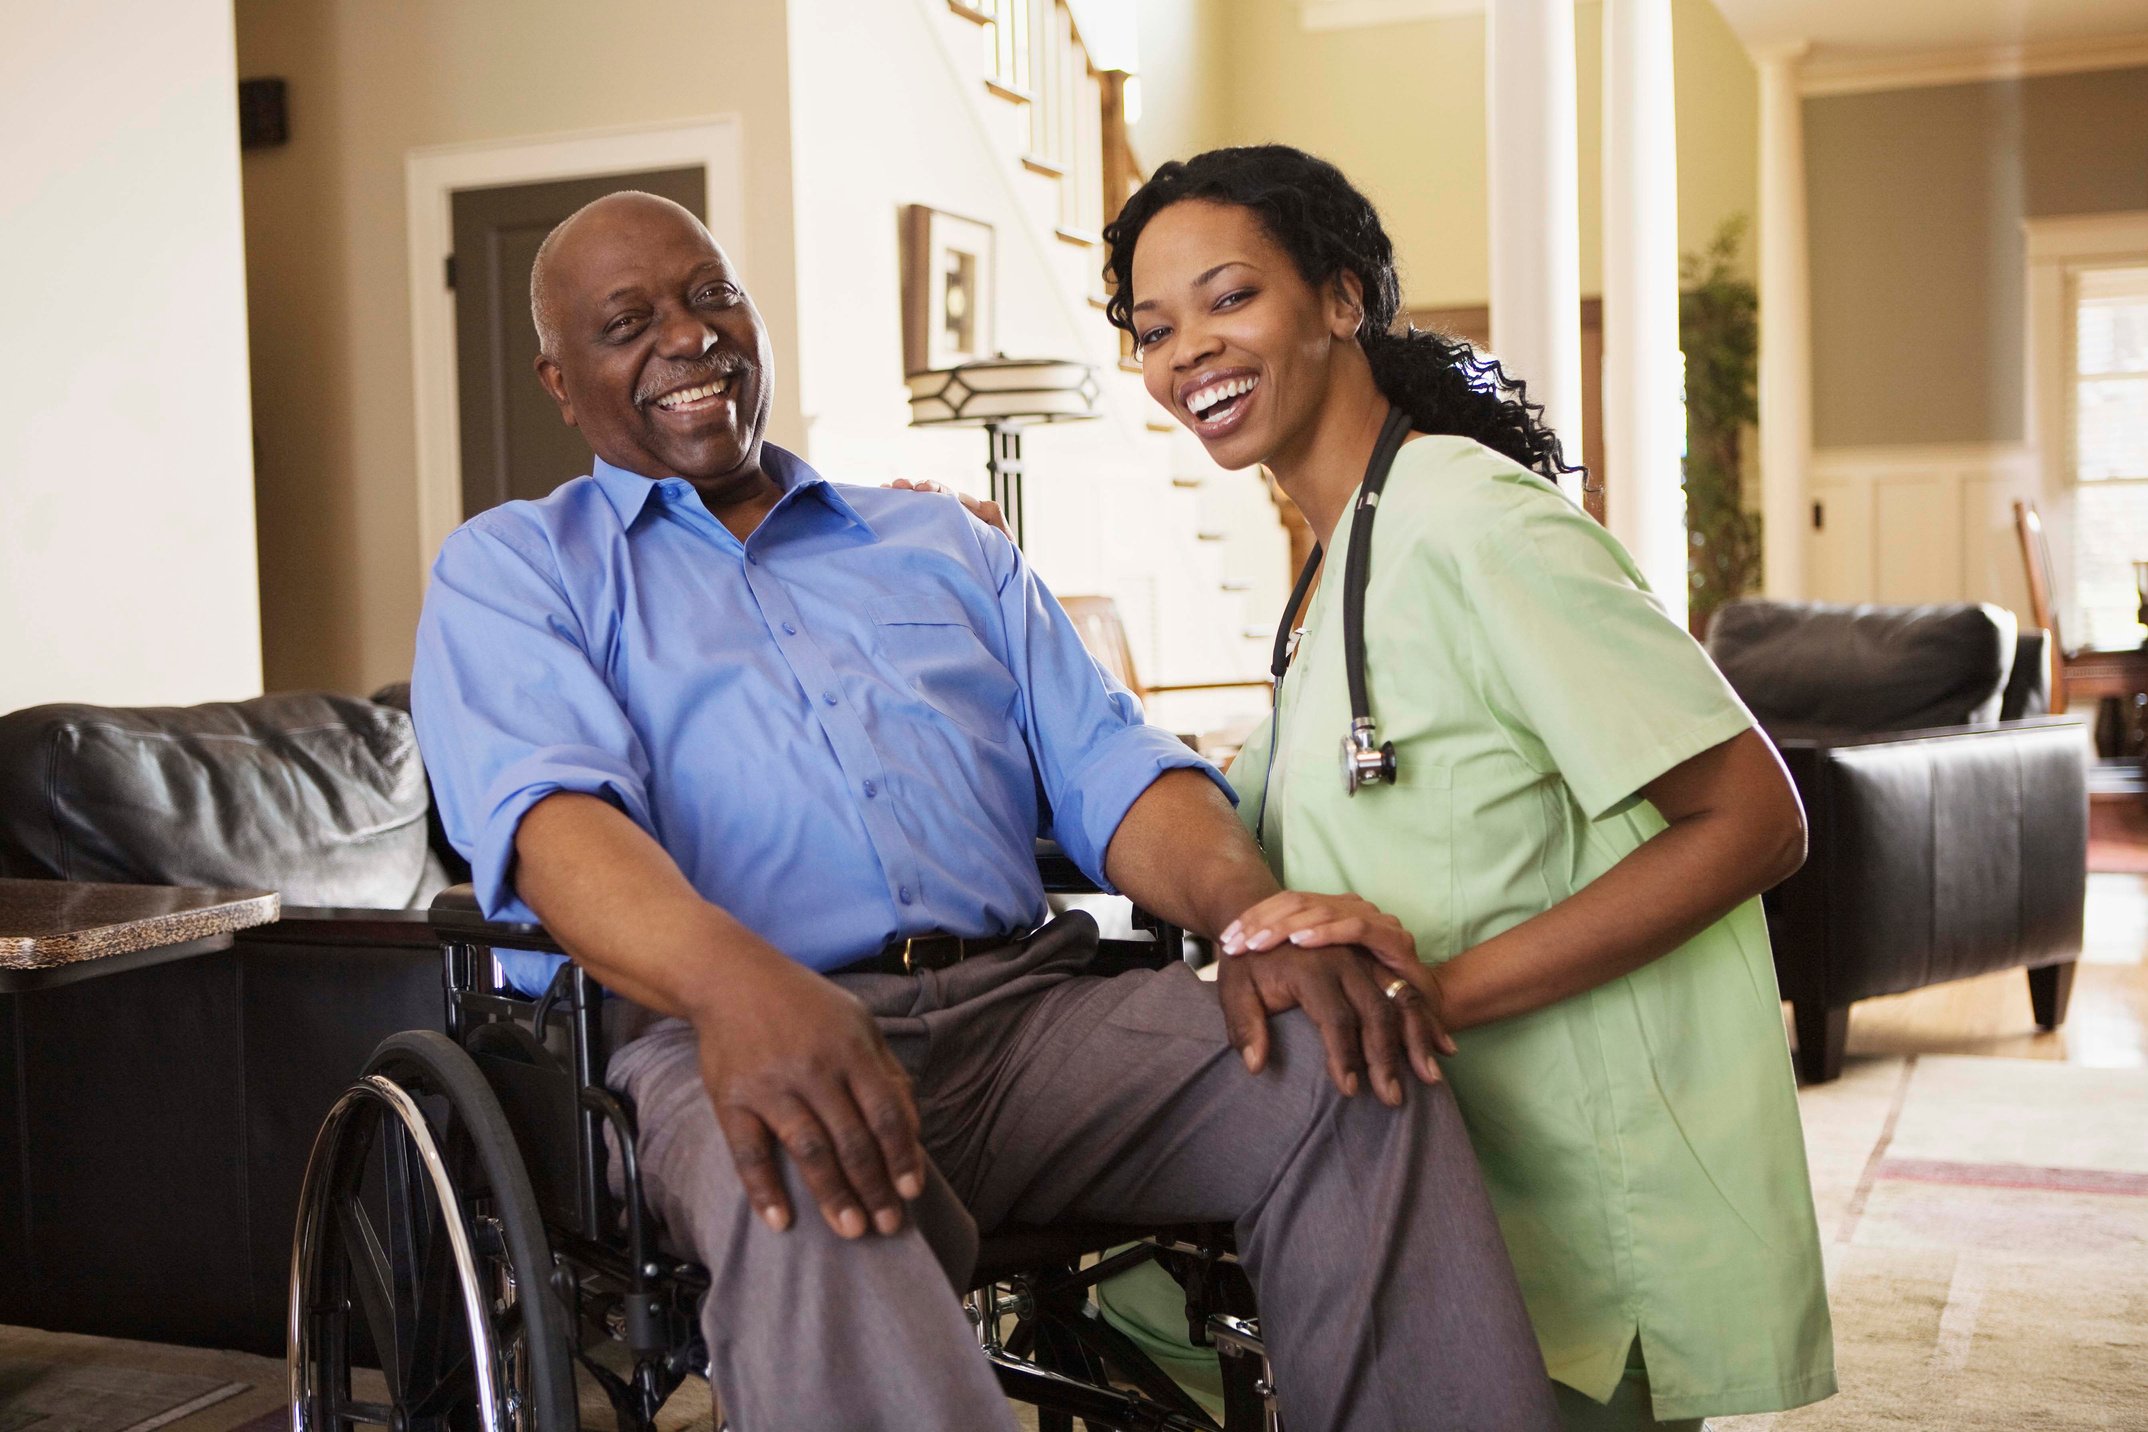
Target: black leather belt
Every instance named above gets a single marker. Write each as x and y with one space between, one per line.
928 952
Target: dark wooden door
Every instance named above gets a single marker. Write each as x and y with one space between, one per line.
513 442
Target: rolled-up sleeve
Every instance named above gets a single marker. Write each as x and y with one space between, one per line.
1094 753
510 708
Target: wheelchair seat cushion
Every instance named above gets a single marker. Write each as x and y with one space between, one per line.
319 797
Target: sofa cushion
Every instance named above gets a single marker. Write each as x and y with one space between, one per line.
321 798
1814 670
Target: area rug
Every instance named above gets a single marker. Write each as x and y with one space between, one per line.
1987 1252
41 1394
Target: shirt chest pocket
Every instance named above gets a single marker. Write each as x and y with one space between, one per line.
928 640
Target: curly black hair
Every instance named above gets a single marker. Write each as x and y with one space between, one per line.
1327 226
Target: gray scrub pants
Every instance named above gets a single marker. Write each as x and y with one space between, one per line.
1385 1292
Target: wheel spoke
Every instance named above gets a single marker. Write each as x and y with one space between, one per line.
409 1230
368 1268
455 1386
429 1304
371 1412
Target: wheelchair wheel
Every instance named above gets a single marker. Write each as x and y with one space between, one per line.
419 1242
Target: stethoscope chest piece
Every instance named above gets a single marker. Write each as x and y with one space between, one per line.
1363 762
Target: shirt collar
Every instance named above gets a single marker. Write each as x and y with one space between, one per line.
629 492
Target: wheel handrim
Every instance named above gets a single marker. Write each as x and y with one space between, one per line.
397 1279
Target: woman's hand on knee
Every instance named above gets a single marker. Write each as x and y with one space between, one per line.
1313 921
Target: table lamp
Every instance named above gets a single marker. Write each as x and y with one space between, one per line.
1003 395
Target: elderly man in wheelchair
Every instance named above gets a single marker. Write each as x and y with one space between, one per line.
767 758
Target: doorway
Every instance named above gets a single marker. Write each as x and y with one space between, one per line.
513 443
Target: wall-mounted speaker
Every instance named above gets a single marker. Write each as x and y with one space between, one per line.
264 122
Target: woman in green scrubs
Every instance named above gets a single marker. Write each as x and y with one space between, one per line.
1567 867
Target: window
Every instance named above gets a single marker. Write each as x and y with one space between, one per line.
2108 396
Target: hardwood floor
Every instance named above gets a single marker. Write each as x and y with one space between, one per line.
2106 1025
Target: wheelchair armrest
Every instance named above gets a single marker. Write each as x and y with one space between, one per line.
455 916
1060 874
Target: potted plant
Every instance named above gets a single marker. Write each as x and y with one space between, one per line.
1718 329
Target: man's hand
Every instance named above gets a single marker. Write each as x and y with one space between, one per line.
791 1060
1337 956
1342 990
788 1058
983 510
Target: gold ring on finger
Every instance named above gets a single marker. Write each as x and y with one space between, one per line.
1395 987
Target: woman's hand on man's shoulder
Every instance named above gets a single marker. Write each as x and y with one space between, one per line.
983 509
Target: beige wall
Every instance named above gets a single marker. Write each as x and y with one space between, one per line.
1916 199
1182 80
341 570
126 501
1400 107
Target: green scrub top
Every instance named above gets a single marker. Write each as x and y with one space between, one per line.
1641 1140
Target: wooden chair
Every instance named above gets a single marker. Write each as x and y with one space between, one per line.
2081 674
1104 634
2036 558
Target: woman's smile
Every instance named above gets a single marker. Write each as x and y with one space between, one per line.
1218 403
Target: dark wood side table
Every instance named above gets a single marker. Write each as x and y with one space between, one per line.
163 1070
2120 674
121 1143
55 932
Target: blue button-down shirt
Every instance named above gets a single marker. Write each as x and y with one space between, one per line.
846 729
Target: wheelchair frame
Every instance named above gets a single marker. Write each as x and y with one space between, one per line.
497 1175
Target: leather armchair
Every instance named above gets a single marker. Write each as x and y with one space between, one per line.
1948 816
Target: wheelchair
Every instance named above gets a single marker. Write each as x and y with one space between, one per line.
459 1231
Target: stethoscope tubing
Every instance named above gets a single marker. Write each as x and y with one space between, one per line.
1357 575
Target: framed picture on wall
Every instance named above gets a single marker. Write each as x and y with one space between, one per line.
947 307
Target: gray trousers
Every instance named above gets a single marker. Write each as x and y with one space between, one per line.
1386 1297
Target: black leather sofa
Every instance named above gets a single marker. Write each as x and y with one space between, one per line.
1948 814
155 1123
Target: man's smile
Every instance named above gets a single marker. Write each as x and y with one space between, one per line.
696 399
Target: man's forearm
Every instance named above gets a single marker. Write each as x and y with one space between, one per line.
609 893
1181 854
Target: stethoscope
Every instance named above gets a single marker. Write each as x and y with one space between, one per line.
1366 759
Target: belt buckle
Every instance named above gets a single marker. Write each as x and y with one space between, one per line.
907 946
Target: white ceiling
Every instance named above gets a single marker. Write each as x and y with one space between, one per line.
1876 27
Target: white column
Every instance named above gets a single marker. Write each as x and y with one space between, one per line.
1785 327
1644 404
1536 208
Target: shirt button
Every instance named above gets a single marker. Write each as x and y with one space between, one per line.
871 790
904 894
828 696
789 630
752 561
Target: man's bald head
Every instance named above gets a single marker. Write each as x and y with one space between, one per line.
600 214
